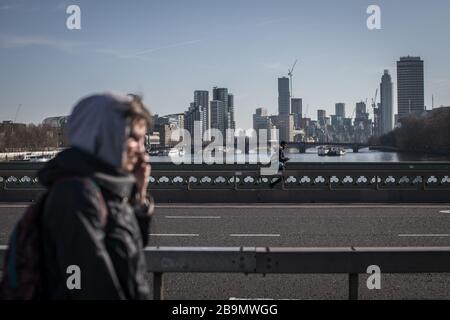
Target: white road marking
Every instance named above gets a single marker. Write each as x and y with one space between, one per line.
424 235
288 206
193 217
272 206
445 211
254 235
174 234
14 205
234 298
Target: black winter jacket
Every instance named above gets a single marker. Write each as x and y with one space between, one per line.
106 245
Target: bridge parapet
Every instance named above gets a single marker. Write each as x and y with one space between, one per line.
297 178
296 175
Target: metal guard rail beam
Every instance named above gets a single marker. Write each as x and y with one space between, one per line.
264 260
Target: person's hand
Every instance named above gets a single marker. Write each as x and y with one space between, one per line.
142 173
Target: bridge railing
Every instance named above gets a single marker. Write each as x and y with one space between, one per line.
323 176
264 260
300 183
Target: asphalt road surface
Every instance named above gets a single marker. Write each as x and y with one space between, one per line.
292 226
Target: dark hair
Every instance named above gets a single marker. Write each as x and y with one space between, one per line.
283 143
138 111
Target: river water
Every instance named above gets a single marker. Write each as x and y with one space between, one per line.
364 155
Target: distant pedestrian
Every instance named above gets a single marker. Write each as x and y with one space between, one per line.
282 159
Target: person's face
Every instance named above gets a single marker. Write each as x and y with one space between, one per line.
135 145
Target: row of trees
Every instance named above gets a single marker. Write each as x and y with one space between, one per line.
428 132
21 137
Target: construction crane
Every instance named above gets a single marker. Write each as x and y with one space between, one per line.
291 74
375 113
17 112
374 102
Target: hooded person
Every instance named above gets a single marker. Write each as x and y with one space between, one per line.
97 214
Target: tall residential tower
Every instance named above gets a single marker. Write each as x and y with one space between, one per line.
284 96
386 105
410 86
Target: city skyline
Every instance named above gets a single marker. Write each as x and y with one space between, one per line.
166 54
212 113
200 98
379 116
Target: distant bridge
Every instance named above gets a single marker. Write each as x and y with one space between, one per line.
302 146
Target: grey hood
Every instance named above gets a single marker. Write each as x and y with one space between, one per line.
98 126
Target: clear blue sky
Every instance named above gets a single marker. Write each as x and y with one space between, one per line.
167 49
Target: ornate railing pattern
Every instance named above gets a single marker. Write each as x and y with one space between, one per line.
321 176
